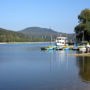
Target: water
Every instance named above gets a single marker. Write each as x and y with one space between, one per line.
26 67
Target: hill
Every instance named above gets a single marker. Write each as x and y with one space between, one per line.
37 32
44 33
31 34
11 36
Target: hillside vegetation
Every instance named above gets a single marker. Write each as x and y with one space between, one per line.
31 34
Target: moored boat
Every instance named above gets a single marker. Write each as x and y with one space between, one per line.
60 42
88 49
75 48
48 48
59 47
82 49
67 48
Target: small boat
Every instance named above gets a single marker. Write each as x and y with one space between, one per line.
59 48
66 48
88 49
48 48
43 48
75 48
82 49
88 45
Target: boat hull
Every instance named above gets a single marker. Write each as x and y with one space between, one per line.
83 49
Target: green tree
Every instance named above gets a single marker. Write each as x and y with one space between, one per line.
83 28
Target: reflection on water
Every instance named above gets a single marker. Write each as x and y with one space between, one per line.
84 68
58 58
61 57
26 66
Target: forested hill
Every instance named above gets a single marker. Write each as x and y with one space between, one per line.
44 33
37 32
11 36
31 34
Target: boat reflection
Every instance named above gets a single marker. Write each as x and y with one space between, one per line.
58 59
61 56
84 68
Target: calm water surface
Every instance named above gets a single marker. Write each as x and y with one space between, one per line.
26 67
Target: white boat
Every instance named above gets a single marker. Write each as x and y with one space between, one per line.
59 47
61 42
82 49
85 48
88 46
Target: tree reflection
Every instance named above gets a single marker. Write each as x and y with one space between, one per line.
84 68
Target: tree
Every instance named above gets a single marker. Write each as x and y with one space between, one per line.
83 28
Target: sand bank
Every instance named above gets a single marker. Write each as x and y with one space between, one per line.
82 54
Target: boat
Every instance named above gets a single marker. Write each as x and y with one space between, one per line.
85 48
88 50
75 47
88 47
48 48
43 48
60 42
67 48
59 47
82 49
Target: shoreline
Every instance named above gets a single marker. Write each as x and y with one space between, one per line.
22 42
82 54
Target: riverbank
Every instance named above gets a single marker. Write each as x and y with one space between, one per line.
81 54
21 42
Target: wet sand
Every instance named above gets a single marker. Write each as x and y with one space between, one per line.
81 54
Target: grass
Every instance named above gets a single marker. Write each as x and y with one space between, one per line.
21 42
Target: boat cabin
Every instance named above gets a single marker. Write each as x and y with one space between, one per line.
61 41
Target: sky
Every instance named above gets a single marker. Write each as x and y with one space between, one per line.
59 15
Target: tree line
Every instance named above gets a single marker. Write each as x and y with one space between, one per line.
11 36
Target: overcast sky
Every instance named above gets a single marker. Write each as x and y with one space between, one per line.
60 15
